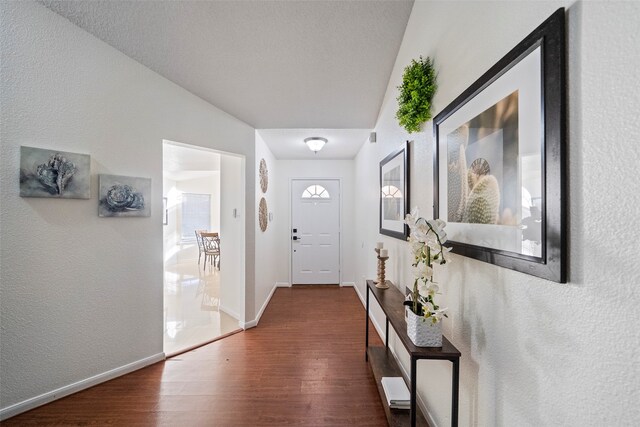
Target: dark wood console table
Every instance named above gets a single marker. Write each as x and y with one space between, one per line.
383 362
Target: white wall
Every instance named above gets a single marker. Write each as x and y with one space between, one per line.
82 295
534 352
232 237
289 169
268 259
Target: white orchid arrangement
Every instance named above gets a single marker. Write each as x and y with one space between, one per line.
426 239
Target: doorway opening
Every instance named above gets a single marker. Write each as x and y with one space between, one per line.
315 232
203 193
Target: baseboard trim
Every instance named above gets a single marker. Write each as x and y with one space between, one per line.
373 319
406 375
348 284
61 392
253 323
231 313
196 346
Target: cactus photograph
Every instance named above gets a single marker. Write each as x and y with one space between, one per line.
493 177
499 168
483 173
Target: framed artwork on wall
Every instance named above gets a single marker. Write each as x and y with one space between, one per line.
499 174
394 193
124 196
56 174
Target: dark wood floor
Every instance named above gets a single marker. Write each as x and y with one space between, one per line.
303 365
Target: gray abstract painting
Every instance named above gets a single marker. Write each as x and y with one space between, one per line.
123 196
51 173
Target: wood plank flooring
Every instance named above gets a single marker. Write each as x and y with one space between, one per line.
302 366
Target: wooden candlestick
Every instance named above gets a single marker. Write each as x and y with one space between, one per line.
381 283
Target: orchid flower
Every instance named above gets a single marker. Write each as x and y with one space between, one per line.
426 241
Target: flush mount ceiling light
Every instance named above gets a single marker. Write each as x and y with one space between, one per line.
315 143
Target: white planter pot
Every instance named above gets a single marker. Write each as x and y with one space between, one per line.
423 333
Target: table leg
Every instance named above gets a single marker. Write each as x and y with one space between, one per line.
455 384
414 407
386 333
366 344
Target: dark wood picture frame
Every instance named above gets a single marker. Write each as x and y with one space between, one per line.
399 230
552 264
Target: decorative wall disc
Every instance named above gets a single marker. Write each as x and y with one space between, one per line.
264 176
263 214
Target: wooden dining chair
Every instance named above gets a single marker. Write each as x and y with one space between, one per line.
200 246
211 245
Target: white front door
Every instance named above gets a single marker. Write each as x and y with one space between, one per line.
315 231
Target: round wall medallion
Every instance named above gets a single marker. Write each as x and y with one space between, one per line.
262 214
264 176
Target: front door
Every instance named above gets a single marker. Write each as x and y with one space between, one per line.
315 232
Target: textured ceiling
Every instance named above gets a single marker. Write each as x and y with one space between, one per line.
272 64
289 143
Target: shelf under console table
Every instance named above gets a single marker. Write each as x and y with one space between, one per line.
383 362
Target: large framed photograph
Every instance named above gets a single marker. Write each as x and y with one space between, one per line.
394 193
499 174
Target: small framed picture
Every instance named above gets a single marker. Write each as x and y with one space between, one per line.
124 196
394 193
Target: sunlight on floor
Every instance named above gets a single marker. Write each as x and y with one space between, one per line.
191 307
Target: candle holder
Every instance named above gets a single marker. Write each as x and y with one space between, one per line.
381 283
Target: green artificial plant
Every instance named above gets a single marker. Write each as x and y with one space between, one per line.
416 92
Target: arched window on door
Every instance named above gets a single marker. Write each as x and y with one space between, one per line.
315 192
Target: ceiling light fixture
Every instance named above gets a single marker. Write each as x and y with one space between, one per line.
315 143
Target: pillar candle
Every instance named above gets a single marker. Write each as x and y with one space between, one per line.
384 252
379 245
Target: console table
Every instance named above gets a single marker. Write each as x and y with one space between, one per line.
383 362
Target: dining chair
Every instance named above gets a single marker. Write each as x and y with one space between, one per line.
200 246
211 245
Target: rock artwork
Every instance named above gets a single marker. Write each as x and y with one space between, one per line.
123 196
58 174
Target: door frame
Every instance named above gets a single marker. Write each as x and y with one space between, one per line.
340 207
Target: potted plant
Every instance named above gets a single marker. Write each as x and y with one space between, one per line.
424 316
416 92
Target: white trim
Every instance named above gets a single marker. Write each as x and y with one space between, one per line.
229 312
61 392
283 285
253 323
348 284
248 325
406 375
